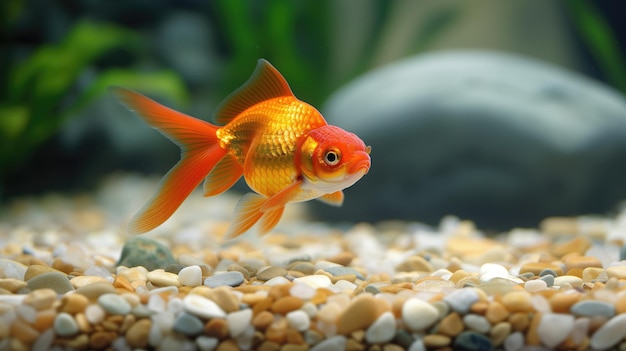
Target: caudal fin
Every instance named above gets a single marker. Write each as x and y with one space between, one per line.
200 152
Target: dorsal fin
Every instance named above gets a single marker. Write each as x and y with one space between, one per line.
264 84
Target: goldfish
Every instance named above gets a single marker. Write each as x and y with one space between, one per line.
283 147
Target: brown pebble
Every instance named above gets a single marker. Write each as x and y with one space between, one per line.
101 339
578 245
269 346
393 347
286 304
580 262
262 305
225 298
271 272
79 342
517 301
294 337
499 332
37 269
344 258
496 312
519 321
278 291
360 314
40 299
137 334
561 302
536 268
458 274
12 285
414 264
62 266
436 340
228 345
23 332
74 303
451 325
44 319
532 337
262 320
217 328
277 331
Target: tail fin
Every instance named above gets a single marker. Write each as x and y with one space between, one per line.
200 152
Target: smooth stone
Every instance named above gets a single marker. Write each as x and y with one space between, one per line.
146 252
232 278
571 280
334 343
618 272
174 268
315 281
517 301
188 324
462 299
609 334
341 270
579 244
360 314
114 304
372 290
190 276
298 320
95 290
554 328
622 253
382 330
507 102
536 285
11 284
418 314
548 278
65 325
40 299
271 272
137 335
514 342
94 314
302 291
286 304
476 323
592 308
202 307
472 341
224 297
12 269
206 343
161 278
84 280
303 267
547 271
54 280
238 321
37 269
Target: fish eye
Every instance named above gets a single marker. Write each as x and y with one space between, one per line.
332 157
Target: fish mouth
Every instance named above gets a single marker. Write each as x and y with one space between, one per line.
360 164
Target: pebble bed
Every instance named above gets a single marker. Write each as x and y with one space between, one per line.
66 282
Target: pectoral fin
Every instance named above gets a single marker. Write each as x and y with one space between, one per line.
333 199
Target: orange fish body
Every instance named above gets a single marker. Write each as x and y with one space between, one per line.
282 146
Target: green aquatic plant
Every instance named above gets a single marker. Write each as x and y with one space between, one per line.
43 91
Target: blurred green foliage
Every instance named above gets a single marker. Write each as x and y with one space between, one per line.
41 91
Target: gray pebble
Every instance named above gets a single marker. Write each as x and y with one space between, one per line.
174 268
472 341
65 325
188 324
461 300
146 252
223 265
341 270
54 280
593 308
548 271
622 253
403 338
548 278
302 266
271 272
114 304
372 289
232 278
337 342
526 276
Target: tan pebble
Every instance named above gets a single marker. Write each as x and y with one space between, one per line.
23 332
458 274
228 345
561 302
451 325
436 340
360 314
129 320
277 331
225 298
269 346
294 337
159 277
81 281
217 328
470 247
12 285
517 301
344 258
286 304
349 277
250 289
44 319
278 291
5 292
83 324
532 337
37 269
262 320
620 303
496 312
499 332
295 347
321 294
355 345
414 264
122 283
480 307
62 266
358 335
581 262
591 274
519 321
271 272
201 290
101 339
79 342
252 299
578 245
40 299
93 291
393 347
137 334
470 280
235 267
559 226
134 274
262 305
74 303
618 272
536 268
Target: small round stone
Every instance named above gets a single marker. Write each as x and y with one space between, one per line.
263 320
337 342
461 300
74 303
56 281
286 304
338 271
238 322
160 278
548 278
40 299
298 320
232 278
360 313
382 330
592 308
65 325
517 301
190 276
472 341
436 340
114 304
451 325
554 328
476 323
271 272
145 252
137 334
95 290
188 324
536 285
496 312
202 307
618 272
315 281
609 334
418 314
515 341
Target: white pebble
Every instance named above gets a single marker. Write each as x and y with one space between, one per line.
554 328
310 309
94 314
334 343
345 286
190 276
302 291
535 285
298 320
155 335
206 343
514 342
202 307
489 271
418 314
156 303
315 281
278 280
238 321
476 323
417 345
382 330
565 280
159 277
175 305
461 300
65 325
540 304
44 341
610 333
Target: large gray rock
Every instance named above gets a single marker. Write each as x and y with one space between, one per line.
499 139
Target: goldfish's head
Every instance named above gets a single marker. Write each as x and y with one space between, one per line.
332 159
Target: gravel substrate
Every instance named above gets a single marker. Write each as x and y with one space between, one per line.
69 279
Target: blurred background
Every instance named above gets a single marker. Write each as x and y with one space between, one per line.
543 133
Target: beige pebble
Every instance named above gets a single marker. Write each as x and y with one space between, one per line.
83 280
499 332
536 268
225 298
94 290
562 301
568 280
23 332
436 340
271 272
519 321
582 262
37 269
591 274
102 339
517 301
496 312
532 336
618 272
262 320
360 314
137 334
414 264
578 245
344 258
451 325
159 277
134 274
12 285
74 303
44 319
559 226
83 324
40 299
277 331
